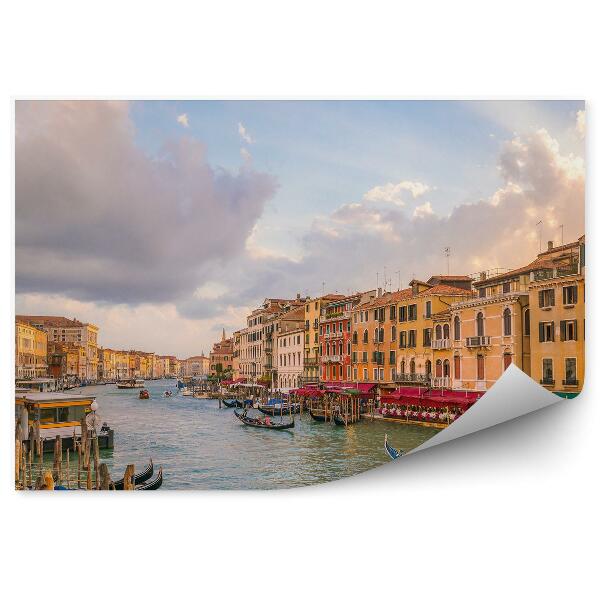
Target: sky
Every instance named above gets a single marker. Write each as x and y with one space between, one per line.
165 221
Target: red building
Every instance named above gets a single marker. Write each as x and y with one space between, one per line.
335 347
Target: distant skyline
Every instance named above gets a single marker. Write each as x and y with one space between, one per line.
165 221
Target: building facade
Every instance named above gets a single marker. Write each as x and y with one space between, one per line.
221 356
290 354
31 350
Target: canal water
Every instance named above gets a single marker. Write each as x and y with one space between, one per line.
200 446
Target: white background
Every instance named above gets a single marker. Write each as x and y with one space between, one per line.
506 513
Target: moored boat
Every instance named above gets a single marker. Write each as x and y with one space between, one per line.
232 403
274 410
264 424
186 392
391 451
317 415
130 384
154 484
138 478
338 419
144 395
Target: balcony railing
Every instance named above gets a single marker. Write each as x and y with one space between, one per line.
331 358
440 382
574 382
311 361
477 341
333 334
547 381
345 314
441 344
305 380
412 378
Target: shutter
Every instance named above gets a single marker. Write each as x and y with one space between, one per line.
575 330
575 296
552 329
563 331
541 332
551 299
541 298
564 290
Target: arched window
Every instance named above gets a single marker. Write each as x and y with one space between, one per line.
446 368
480 324
456 328
438 368
446 331
355 337
365 336
438 332
393 333
526 323
413 367
456 366
480 367
506 321
402 367
428 367
381 330
376 335
507 360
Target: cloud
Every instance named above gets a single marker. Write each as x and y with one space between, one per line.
580 123
396 193
246 156
423 210
98 219
183 120
244 134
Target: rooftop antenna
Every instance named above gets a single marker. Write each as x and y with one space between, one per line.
447 253
399 280
540 223
323 287
384 279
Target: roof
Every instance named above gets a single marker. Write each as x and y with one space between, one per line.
51 321
43 397
538 263
443 289
450 278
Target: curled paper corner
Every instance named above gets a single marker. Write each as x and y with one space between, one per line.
513 395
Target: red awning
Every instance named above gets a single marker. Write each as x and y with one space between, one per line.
435 400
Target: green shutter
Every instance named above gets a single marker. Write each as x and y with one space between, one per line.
575 330
541 332
552 324
563 331
541 298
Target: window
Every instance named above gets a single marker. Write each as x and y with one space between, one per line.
438 332
402 313
365 336
570 371
482 292
355 375
456 328
446 331
428 368
569 294
546 298
393 333
446 368
355 337
412 338
348 349
480 367
402 343
547 371
381 375
526 323
381 334
412 312
479 321
427 337
507 360
364 357
568 331
438 368
506 287
392 357
375 372
546 331
365 375
456 367
507 321
393 312
428 309
413 366
402 367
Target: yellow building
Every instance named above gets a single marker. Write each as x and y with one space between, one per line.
312 312
392 333
24 350
557 308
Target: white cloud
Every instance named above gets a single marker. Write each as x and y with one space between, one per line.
423 210
244 134
396 193
580 123
246 156
183 120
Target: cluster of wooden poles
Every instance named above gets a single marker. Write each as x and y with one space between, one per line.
32 474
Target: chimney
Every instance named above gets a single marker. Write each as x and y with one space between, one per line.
379 292
298 296
550 245
482 276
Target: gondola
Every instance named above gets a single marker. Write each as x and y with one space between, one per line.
246 420
275 411
339 420
232 403
154 484
392 452
138 477
320 418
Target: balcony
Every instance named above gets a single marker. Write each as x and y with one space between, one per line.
441 344
478 341
571 382
421 378
333 335
331 358
311 361
345 314
440 382
306 380
547 381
